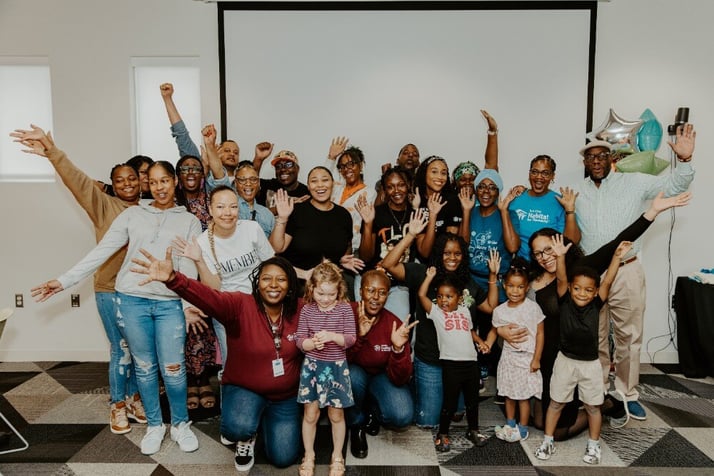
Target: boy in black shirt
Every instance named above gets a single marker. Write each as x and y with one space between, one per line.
580 296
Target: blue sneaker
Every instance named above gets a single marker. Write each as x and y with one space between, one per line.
484 373
636 410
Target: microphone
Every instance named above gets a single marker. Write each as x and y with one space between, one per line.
681 118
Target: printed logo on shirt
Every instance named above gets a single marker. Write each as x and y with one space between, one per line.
534 216
455 321
382 348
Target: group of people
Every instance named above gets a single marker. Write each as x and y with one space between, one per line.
382 303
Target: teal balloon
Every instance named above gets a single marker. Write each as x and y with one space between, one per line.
649 136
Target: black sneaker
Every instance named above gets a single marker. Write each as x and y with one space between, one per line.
244 455
499 400
372 426
476 438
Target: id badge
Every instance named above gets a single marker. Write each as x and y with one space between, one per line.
278 369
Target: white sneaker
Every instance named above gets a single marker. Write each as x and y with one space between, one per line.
225 441
545 450
244 455
151 442
511 434
592 454
184 436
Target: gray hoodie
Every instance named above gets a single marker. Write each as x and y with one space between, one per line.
142 226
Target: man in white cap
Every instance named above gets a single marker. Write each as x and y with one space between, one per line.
608 202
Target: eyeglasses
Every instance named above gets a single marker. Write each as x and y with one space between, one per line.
482 187
544 252
543 173
187 169
602 156
349 163
376 292
287 164
247 180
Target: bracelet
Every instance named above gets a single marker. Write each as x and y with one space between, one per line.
684 159
570 212
492 133
278 222
398 351
493 282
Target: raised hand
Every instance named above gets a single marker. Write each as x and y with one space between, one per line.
155 269
417 221
284 204
263 150
684 145
34 138
352 263
434 204
364 323
337 146
415 199
559 249
167 90
492 125
623 248
506 200
467 197
400 335
431 272
209 135
365 208
494 260
567 198
46 290
661 203
190 250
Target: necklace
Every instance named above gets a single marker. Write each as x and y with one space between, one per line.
275 328
400 223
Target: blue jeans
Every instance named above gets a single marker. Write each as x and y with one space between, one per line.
392 405
156 333
220 331
122 380
280 421
429 394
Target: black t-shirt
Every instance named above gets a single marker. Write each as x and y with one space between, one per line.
579 328
426 345
317 234
268 187
389 227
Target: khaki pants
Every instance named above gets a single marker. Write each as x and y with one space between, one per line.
625 306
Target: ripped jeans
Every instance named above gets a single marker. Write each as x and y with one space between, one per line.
156 333
122 381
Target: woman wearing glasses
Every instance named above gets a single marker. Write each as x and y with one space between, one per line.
350 164
540 207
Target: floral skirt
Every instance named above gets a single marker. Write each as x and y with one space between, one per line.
325 382
200 350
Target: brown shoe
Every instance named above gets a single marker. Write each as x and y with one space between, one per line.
135 409
118 422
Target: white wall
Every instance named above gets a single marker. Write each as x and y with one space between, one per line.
90 44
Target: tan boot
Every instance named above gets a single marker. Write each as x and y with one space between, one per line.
135 409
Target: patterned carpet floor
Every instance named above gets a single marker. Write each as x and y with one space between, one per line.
61 408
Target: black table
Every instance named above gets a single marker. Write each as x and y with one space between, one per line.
694 305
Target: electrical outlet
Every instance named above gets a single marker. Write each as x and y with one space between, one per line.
19 300
75 300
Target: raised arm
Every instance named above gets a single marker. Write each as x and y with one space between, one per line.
561 274
494 265
468 202
368 237
424 289
622 249
491 156
185 144
392 262
209 145
567 200
425 241
337 147
510 236
279 239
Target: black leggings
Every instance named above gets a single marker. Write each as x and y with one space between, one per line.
457 377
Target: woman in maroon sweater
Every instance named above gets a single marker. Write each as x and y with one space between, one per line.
380 365
262 371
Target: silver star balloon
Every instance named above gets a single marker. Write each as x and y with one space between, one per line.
619 132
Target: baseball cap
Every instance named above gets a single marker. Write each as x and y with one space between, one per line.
284 155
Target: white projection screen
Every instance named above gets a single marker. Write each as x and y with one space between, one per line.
299 74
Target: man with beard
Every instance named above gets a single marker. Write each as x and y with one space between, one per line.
609 201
